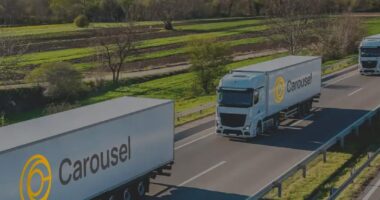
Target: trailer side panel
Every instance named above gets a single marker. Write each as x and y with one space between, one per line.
292 85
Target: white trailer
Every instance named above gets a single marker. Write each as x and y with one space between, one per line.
108 150
256 98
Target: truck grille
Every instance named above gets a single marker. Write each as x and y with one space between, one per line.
232 120
369 64
235 132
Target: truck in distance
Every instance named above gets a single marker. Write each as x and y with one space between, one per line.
369 55
104 151
254 99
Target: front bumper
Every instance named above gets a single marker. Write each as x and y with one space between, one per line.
365 71
234 132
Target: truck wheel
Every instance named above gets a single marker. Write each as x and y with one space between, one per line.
127 194
276 123
301 110
140 189
309 106
259 129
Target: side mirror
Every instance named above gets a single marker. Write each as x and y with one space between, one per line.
256 96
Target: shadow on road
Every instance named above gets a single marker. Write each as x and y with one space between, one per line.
186 133
340 87
311 133
187 193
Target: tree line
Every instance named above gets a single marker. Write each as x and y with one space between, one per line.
58 11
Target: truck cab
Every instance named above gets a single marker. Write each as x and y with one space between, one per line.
369 56
241 104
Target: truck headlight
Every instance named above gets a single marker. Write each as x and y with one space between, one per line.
247 128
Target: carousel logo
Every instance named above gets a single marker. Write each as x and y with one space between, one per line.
36 178
279 89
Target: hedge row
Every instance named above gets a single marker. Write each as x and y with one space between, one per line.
23 99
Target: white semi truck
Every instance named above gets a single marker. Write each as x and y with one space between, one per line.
104 151
369 56
254 99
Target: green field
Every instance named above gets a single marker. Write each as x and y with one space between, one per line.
373 26
218 25
35 30
77 53
61 28
217 29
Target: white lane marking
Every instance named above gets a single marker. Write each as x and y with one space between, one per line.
373 189
356 91
202 173
346 77
304 119
195 140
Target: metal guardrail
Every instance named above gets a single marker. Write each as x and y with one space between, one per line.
199 109
277 183
336 66
336 192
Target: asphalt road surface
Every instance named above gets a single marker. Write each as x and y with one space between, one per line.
211 167
372 191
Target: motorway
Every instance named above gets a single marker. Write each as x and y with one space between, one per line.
211 167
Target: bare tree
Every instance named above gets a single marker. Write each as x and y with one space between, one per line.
168 10
258 6
114 49
229 5
338 37
292 21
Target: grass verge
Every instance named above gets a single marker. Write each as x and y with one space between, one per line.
354 190
336 65
322 177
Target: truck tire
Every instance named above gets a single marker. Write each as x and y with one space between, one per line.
140 189
303 109
276 122
259 129
309 106
127 195
300 112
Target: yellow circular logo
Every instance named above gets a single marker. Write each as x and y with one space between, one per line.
36 178
279 89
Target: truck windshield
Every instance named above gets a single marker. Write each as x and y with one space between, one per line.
370 52
233 98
